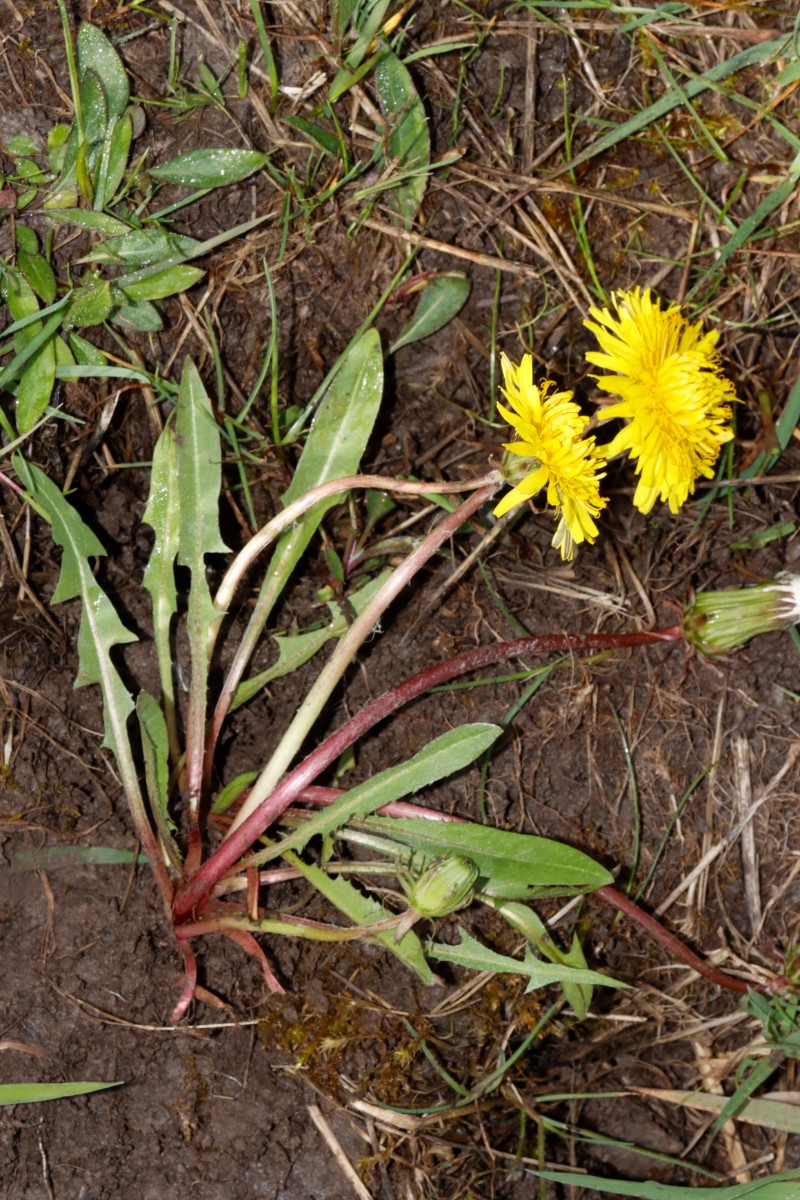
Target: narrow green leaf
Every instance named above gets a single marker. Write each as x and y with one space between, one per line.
113 161
94 222
155 749
95 118
471 953
441 299
100 627
32 347
530 925
35 1093
768 1113
778 1187
162 514
209 168
445 755
50 857
406 141
97 54
165 283
294 650
199 468
334 446
342 424
514 866
36 387
363 910
232 791
752 56
317 133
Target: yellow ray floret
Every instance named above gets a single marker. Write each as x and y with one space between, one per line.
554 455
673 394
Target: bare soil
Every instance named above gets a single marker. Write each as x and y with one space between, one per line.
225 1105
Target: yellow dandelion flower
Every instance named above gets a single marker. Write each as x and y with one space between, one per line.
552 454
673 394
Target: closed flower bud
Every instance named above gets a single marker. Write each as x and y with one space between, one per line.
719 622
444 887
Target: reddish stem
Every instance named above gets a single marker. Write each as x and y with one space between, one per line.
670 942
198 888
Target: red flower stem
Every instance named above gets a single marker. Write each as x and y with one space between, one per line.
670 942
198 888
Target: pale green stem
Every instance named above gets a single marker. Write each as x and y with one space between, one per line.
347 648
72 69
269 534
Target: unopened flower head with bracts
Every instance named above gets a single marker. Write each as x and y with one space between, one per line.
720 622
674 398
552 454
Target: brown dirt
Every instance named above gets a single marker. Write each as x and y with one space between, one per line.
222 1106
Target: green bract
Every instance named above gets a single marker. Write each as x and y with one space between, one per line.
443 888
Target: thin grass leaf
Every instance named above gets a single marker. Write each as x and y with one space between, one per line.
52 857
752 56
779 1187
36 1093
769 1114
749 226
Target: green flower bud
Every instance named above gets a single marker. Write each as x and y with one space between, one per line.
443 888
719 622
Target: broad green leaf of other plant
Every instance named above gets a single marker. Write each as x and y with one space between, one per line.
209 168
441 299
406 141
97 54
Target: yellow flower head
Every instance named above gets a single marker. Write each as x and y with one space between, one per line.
550 427
673 394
